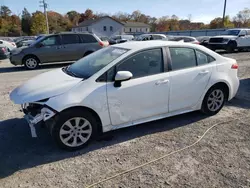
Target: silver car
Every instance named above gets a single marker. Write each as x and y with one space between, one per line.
56 48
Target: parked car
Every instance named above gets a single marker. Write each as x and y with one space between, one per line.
231 40
4 54
145 37
9 45
23 42
120 39
203 40
28 42
187 39
124 85
56 48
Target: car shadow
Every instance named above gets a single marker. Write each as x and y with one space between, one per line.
242 98
22 68
19 151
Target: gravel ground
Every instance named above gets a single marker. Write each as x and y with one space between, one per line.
220 159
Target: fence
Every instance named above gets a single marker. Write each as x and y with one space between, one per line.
194 33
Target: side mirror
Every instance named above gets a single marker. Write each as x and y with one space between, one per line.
122 76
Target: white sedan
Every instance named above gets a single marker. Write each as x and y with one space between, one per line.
124 85
9 45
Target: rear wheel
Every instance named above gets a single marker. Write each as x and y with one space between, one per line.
214 100
31 62
74 129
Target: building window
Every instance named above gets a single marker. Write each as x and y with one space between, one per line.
104 28
87 29
130 30
111 28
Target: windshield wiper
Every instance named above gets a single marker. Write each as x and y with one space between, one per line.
67 71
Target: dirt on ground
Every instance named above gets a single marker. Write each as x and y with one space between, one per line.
220 159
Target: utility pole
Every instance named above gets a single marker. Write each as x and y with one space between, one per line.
224 12
45 6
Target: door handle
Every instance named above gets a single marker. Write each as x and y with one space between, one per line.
204 72
161 82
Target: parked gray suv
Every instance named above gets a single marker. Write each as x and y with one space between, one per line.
56 48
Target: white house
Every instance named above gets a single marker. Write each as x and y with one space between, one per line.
107 26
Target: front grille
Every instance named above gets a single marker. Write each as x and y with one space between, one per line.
216 40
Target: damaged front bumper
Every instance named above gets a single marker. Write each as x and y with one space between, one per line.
44 115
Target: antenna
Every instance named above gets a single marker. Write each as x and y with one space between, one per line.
45 6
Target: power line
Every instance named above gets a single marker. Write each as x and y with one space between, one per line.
45 6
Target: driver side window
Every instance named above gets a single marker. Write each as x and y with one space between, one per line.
51 41
143 64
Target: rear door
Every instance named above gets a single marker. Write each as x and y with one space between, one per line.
191 71
70 47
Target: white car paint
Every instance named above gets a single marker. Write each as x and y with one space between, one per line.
9 45
138 100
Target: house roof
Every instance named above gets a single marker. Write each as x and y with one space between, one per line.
135 24
92 21
89 22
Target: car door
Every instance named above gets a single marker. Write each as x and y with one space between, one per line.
189 77
146 94
49 49
242 40
71 47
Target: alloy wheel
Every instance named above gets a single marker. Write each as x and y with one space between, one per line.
215 100
75 132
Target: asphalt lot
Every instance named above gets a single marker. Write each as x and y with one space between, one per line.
221 159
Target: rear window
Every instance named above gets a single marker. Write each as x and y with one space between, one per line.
88 38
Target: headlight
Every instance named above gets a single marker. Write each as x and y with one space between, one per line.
225 40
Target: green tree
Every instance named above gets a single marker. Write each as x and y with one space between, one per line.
73 16
5 12
38 23
15 26
4 27
26 22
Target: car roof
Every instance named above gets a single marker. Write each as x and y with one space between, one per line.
139 45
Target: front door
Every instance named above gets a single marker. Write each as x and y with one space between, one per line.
243 40
145 95
49 49
191 71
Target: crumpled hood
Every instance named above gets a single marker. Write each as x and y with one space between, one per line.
43 86
225 36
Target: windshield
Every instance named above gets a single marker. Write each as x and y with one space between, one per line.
89 65
231 32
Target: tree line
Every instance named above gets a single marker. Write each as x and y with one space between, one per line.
34 23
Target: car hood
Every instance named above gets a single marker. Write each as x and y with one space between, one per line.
225 36
44 86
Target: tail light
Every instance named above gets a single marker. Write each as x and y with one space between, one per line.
101 44
234 66
196 42
13 44
4 50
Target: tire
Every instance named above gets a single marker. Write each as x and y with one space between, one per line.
231 47
68 135
214 100
31 62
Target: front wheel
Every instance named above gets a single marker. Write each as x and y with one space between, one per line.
214 101
74 129
31 62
